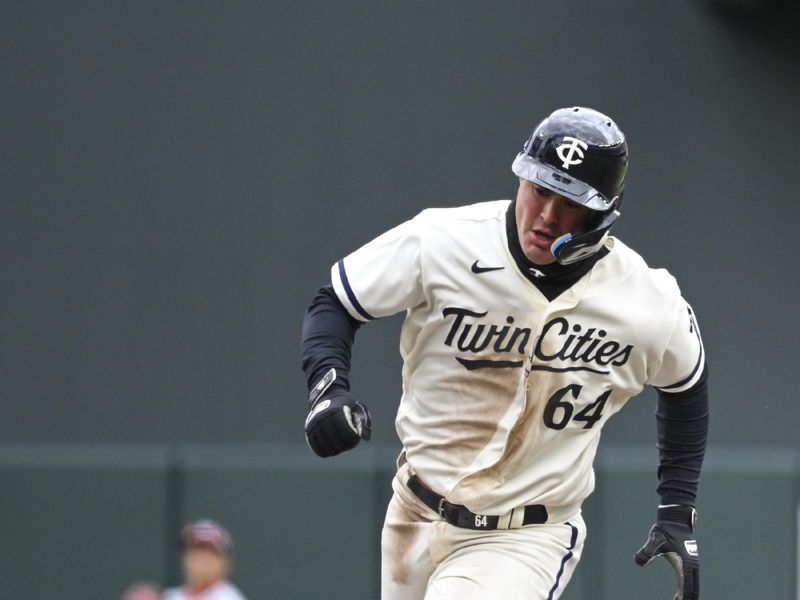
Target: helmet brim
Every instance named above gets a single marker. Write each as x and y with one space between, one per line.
573 189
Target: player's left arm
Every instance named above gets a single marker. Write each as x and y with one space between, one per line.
682 419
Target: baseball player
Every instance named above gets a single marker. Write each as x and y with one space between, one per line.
206 557
527 327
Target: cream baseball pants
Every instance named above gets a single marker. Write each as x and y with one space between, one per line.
425 558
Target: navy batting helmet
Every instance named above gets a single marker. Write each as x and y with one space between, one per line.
581 154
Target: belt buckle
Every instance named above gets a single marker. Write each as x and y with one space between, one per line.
441 507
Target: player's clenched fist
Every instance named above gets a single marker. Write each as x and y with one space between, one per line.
336 422
672 537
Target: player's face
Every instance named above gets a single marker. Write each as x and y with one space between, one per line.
203 567
542 217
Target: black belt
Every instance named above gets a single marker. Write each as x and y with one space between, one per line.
461 516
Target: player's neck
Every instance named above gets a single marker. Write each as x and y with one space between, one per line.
553 279
200 589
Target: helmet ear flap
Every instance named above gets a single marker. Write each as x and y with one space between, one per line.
618 203
569 249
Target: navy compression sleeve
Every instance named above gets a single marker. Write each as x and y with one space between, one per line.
328 336
682 434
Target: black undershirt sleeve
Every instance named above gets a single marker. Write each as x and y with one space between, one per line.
327 339
682 434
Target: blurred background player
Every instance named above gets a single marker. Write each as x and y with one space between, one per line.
206 560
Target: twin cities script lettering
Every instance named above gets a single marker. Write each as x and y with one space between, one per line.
502 338
584 348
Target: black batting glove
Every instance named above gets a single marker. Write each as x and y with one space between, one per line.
336 422
672 537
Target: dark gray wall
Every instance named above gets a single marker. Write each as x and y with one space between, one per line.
177 178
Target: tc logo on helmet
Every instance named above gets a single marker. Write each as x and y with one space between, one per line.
567 151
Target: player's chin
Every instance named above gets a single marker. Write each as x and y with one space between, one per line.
538 255
536 247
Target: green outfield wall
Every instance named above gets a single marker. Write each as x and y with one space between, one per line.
84 522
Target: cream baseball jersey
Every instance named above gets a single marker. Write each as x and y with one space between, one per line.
504 393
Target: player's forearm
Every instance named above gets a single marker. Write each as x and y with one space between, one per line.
682 435
327 338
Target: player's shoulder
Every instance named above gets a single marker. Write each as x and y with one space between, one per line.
624 264
493 210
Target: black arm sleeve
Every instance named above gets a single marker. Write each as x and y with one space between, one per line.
682 433
328 335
